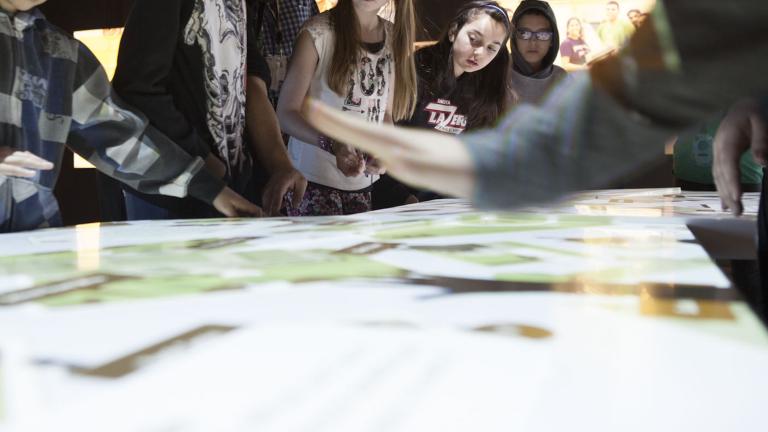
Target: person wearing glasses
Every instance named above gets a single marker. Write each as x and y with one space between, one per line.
534 50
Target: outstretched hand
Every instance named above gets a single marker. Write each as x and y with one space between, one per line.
424 159
742 129
21 163
230 204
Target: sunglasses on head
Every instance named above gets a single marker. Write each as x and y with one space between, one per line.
539 35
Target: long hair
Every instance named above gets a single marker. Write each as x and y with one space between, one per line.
487 92
347 48
581 27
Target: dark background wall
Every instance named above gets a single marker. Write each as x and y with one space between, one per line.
74 15
434 16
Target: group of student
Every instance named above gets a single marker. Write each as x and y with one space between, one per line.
594 128
183 70
197 117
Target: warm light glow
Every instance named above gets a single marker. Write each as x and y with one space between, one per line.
104 43
88 246
324 5
80 163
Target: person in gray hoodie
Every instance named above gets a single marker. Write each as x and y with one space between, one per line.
534 50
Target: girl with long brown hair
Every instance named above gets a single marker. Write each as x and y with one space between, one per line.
355 61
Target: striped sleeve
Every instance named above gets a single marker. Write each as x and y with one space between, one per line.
119 141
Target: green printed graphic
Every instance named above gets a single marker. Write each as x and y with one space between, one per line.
476 224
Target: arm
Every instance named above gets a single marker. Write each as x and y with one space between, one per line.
425 159
120 143
267 143
295 88
373 165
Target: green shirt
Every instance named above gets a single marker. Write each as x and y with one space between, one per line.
692 158
615 33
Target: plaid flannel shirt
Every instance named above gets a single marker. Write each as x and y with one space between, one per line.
53 92
291 14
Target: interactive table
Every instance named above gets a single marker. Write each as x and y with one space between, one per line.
599 313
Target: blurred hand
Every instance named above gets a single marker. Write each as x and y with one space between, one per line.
21 163
215 166
349 161
426 159
279 184
230 204
743 128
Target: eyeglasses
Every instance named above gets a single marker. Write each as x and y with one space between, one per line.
539 35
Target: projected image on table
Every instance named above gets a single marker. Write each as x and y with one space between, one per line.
468 252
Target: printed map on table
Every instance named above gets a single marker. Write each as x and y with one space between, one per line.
440 243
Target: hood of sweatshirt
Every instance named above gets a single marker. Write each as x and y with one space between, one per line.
518 62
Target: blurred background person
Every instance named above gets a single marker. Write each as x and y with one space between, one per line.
574 49
614 31
635 17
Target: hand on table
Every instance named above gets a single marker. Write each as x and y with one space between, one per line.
230 204
743 128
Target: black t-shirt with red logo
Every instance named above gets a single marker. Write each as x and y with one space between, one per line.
441 112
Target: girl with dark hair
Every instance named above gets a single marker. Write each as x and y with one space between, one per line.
463 82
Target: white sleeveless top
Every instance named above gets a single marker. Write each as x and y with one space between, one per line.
366 96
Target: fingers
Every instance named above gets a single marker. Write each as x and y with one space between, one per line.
299 189
729 189
759 142
273 196
23 164
12 170
729 143
247 208
28 160
230 204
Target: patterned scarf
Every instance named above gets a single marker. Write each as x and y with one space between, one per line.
219 28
